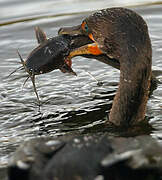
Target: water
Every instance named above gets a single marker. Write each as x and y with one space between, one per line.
70 104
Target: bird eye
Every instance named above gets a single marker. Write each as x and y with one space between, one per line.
85 26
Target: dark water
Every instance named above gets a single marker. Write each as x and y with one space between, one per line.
70 104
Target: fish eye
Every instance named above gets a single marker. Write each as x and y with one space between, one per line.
85 26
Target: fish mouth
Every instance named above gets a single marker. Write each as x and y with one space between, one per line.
66 67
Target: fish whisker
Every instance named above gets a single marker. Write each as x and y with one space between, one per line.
25 81
19 68
32 77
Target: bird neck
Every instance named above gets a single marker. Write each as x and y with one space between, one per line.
129 104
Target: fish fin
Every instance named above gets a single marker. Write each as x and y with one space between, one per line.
40 35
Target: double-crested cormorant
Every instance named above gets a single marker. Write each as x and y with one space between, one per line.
120 36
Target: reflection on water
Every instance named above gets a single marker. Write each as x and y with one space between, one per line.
70 104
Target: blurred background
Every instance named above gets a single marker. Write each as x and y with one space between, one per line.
12 10
70 104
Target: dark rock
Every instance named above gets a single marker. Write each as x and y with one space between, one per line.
94 157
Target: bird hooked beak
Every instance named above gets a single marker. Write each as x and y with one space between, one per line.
88 49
